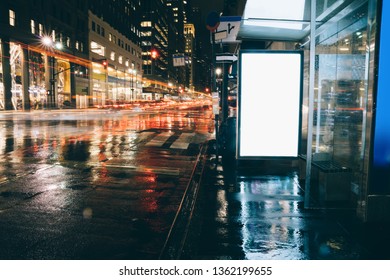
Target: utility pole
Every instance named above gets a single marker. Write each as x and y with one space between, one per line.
212 23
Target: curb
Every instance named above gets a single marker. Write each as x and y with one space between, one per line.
177 245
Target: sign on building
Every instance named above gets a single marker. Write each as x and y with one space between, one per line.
179 60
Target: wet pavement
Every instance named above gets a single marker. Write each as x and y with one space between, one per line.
119 185
94 184
254 211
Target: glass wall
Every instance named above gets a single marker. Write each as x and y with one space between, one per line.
63 71
113 86
16 58
37 87
340 99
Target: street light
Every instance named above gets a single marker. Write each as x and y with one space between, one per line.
218 72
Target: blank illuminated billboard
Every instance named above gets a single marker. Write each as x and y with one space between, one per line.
270 104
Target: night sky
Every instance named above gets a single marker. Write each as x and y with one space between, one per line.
208 5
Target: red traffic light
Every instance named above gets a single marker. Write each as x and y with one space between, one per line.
154 54
105 64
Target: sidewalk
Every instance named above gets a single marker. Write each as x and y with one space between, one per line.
256 212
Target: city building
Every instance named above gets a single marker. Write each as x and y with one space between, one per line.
177 42
116 76
69 54
189 34
115 52
162 39
154 43
43 45
202 51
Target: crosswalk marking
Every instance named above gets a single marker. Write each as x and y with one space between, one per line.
160 139
183 141
143 135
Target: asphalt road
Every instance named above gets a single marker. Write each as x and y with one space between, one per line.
94 184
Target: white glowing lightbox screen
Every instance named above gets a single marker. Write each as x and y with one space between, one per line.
270 100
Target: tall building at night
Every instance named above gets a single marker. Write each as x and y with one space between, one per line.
162 37
202 51
154 44
176 45
122 15
115 52
189 33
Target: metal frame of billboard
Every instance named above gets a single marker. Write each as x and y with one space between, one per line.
269 127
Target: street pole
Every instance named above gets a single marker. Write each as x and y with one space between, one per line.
52 85
214 89
225 94
132 84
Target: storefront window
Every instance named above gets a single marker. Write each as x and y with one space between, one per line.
16 75
37 88
63 81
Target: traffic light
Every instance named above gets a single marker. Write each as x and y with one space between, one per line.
105 63
154 54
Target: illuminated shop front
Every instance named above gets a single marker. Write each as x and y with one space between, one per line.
16 58
37 86
99 84
28 81
122 85
111 85
63 81
81 76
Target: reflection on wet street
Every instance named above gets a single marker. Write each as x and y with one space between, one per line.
87 185
260 216
279 198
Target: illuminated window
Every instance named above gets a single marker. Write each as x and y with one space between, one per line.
146 34
79 46
146 24
112 56
32 24
97 48
120 59
40 30
12 19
